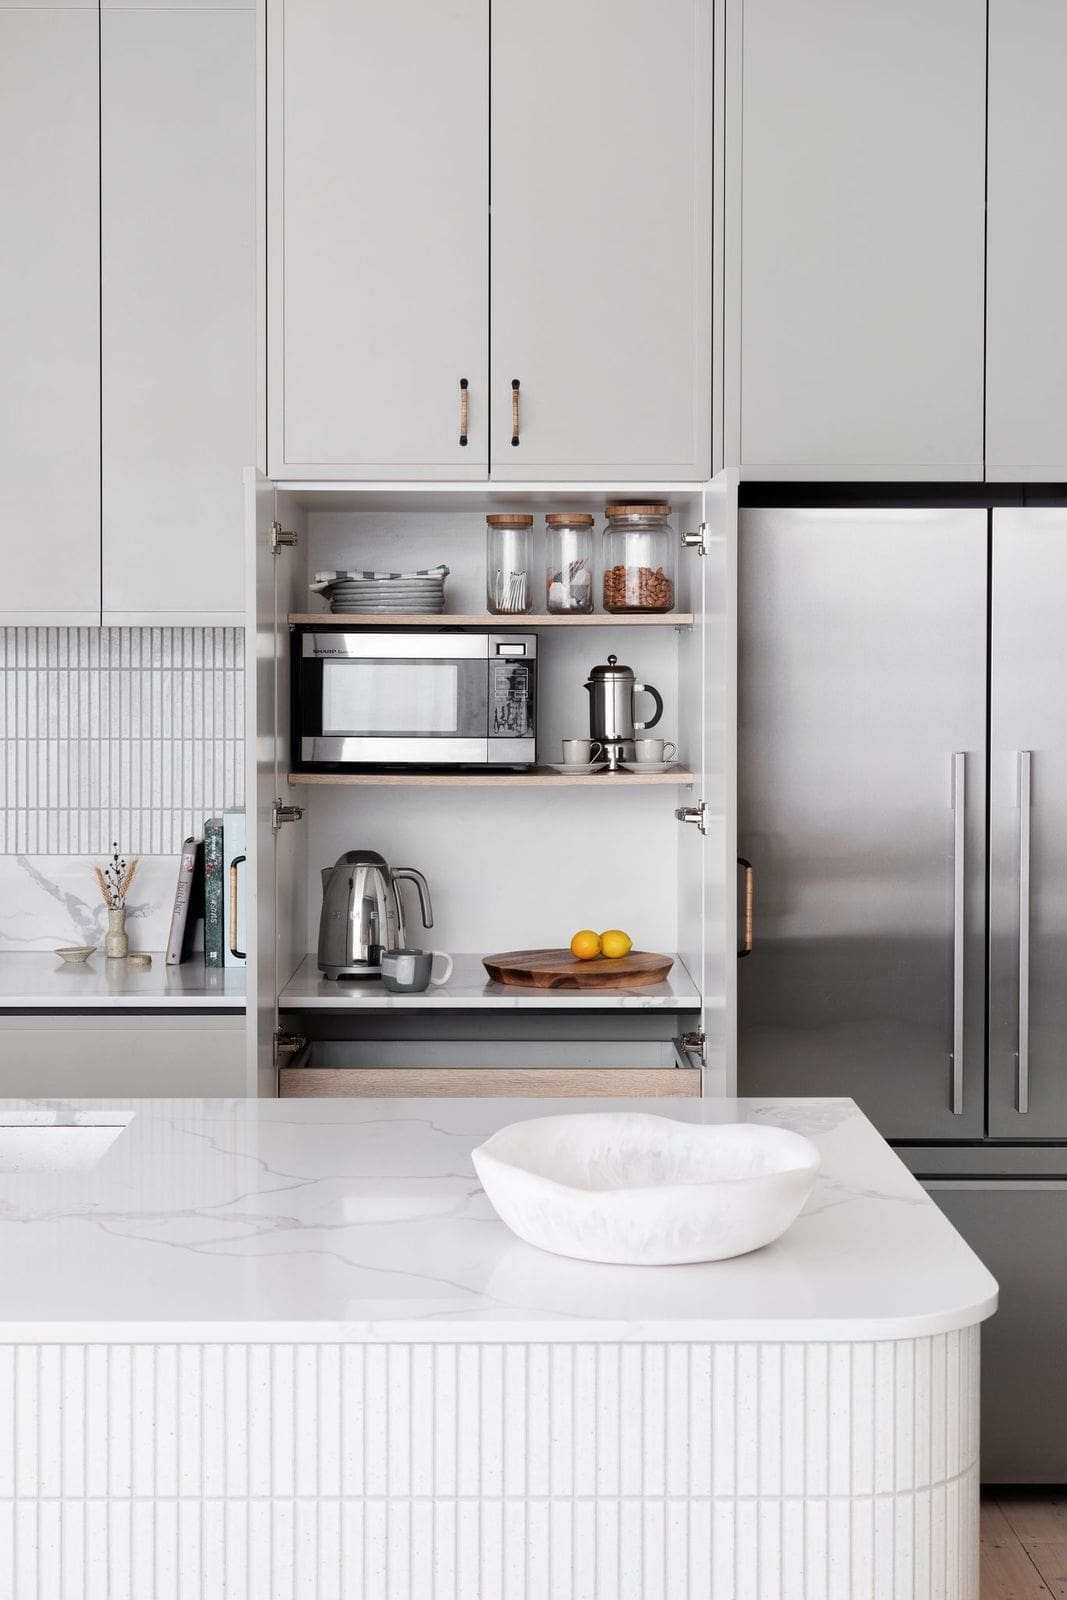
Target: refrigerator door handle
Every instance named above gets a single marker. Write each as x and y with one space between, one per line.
1022 1059
959 882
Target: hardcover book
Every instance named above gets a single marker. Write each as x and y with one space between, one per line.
214 910
187 904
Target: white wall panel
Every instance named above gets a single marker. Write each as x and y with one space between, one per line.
133 734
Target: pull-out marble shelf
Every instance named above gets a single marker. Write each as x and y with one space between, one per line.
470 989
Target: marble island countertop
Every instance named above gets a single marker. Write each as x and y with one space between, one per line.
34 980
334 1220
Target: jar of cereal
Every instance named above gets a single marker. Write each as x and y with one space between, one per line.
638 556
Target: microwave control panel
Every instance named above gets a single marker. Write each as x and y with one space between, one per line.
512 687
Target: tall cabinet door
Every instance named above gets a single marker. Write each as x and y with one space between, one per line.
378 247
178 305
278 863
862 735
1026 329
858 297
49 317
707 712
601 241
1028 826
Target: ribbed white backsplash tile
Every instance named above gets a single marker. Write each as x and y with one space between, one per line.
132 734
543 1472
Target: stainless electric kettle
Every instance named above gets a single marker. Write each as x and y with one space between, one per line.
612 691
362 914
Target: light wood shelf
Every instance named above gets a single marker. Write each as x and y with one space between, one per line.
404 619
536 777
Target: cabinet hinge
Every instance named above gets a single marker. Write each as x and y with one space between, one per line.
694 814
694 1045
696 540
280 814
286 1044
280 538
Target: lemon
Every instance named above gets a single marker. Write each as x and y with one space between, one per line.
616 943
585 945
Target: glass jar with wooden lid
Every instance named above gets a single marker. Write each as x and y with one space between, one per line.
569 562
638 556
507 563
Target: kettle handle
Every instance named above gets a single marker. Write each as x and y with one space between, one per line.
657 697
422 886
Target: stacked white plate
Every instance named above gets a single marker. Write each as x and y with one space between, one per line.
384 593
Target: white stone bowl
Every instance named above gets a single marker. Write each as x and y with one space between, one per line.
642 1190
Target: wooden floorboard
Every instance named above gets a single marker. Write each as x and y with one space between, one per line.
1038 1520
1008 1572
1024 1544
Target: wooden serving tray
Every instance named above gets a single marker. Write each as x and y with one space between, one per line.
558 969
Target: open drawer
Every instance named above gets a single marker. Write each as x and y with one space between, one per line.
451 1069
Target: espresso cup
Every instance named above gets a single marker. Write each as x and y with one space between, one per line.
580 752
411 971
654 750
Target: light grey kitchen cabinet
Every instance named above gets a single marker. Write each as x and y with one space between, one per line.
601 146
392 132
178 307
1026 329
49 319
855 307
128 1057
378 255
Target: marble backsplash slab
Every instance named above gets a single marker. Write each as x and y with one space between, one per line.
48 901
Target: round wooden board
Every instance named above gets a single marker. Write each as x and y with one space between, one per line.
558 969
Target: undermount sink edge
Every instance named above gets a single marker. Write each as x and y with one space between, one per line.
634 1189
39 1142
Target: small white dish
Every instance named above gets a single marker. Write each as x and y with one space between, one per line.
75 954
577 769
640 1190
646 766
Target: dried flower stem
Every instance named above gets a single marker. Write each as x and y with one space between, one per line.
115 879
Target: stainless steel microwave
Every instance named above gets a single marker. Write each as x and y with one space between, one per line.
395 698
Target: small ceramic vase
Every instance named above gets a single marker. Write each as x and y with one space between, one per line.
116 944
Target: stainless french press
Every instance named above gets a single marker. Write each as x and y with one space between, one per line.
612 692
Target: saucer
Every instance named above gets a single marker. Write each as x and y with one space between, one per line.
646 766
577 769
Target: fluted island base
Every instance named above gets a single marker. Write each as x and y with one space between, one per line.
576 1471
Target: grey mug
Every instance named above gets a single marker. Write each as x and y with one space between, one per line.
411 971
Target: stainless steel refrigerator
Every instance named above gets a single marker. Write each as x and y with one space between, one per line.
903 802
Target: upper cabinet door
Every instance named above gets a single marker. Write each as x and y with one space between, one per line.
49 318
378 176
1026 330
860 218
601 239
178 298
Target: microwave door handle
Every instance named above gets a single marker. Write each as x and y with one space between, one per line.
422 886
